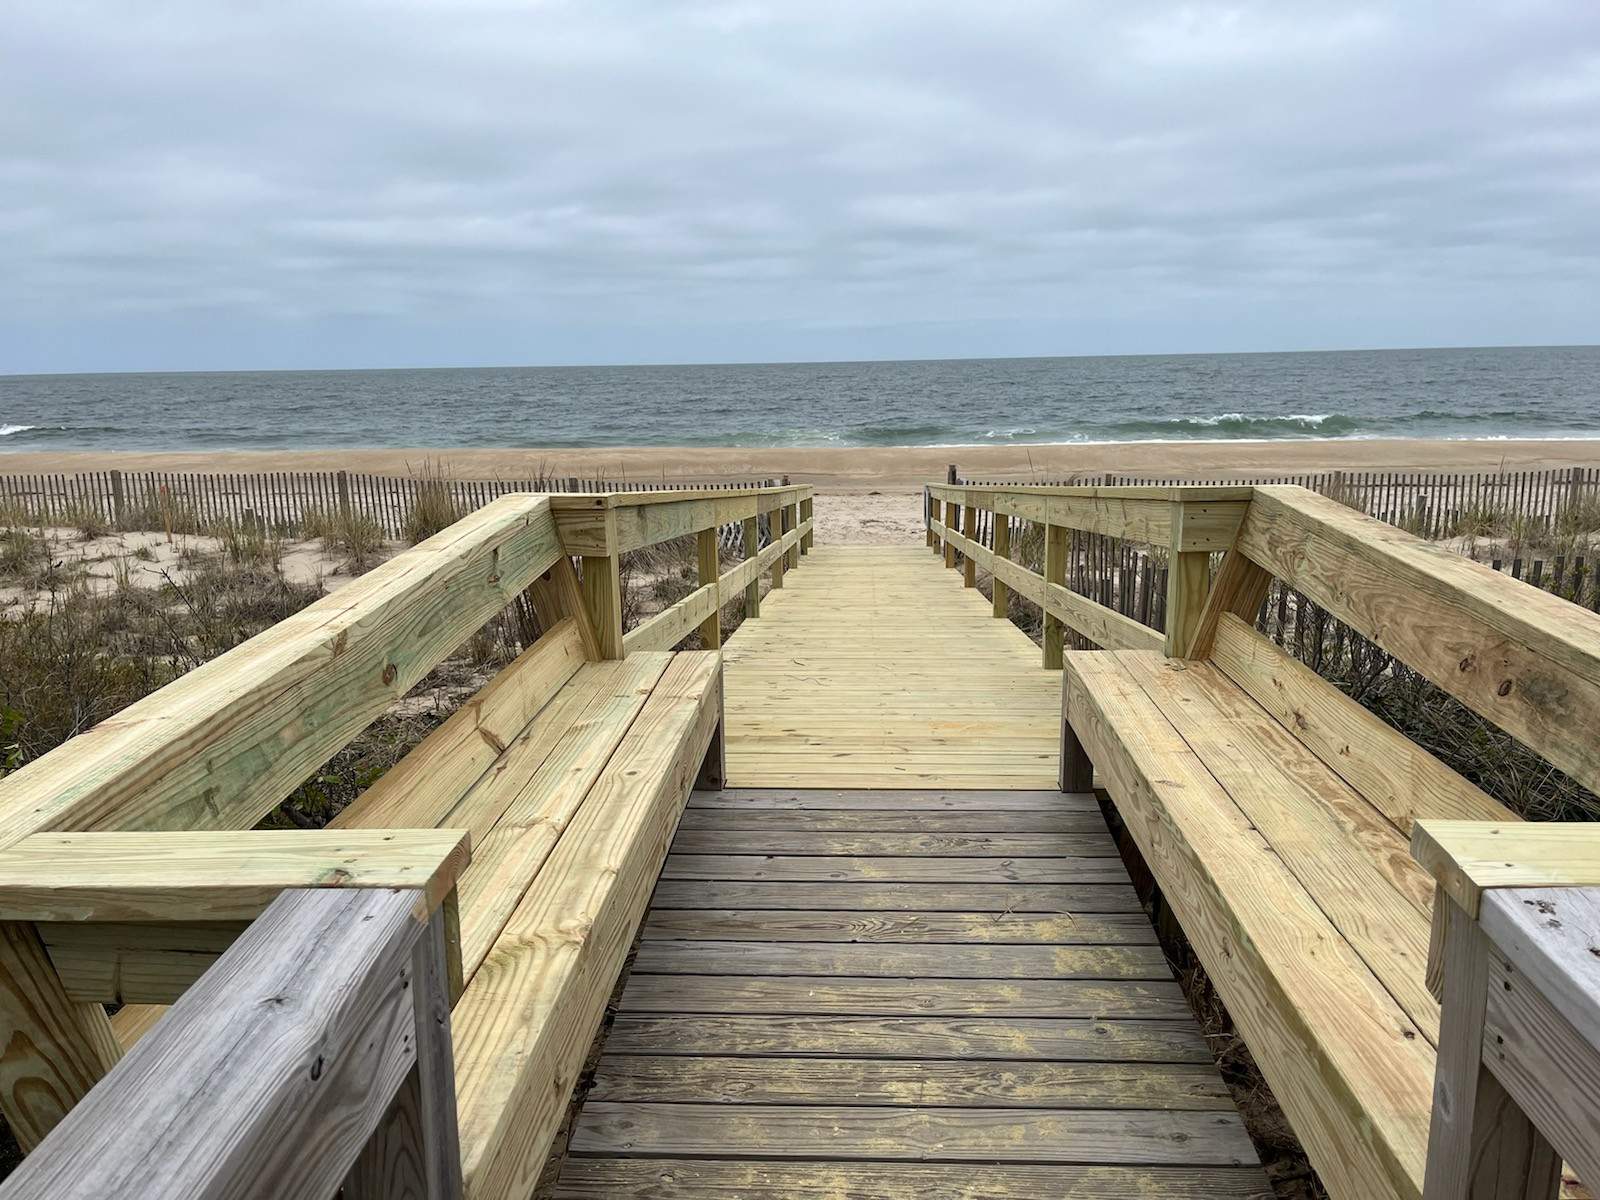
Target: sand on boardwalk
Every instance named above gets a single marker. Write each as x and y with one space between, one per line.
865 494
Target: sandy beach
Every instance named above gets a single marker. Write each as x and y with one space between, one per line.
857 469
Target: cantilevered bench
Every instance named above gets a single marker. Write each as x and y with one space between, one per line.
1275 812
568 773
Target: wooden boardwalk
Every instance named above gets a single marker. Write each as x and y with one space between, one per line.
873 667
844 990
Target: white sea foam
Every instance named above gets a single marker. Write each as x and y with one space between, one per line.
8 430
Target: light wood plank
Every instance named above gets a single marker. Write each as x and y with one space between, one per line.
527 1018
223 744
113 877
799 820
1471 857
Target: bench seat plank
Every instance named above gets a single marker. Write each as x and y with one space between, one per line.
1352 862
526 1020
1352 1071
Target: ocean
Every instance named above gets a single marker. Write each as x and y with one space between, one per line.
1535 392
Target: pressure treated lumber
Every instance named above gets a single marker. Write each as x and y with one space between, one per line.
223 744
229 1096
1524 658
183 876
1471 857
1332 1042
526 1019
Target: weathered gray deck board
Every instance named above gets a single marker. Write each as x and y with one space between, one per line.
964 982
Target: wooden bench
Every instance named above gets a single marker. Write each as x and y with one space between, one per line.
1275 812
567 772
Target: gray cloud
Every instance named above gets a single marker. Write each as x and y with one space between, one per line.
355 182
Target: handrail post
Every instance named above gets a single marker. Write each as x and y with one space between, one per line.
808 513
750 537
54 1049
602 594
782 560
951 520
791 516
1478 1130
1002 549
969 526
1055 571
706 548
1188 579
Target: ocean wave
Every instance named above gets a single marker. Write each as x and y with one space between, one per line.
1232 425
8 430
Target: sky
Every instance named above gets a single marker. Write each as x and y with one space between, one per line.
360 183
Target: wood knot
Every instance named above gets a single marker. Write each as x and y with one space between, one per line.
389 673
1504 689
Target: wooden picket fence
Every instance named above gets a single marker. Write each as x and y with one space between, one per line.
277 501
1428 504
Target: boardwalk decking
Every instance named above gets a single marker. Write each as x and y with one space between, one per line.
873 667
886 962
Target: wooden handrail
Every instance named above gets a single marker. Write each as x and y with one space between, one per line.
600 527
1189 523
1513 953
315 1053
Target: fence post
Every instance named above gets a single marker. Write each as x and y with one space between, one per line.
950 476
119 499
343 479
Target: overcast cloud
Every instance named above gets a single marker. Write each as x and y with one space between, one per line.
220 184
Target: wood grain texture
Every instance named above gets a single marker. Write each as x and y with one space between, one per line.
833 689
52 1048
854 868
526 1020
1469 858
814 820
223 744
234 876
1353 1073
794 925
232 1096
949 1135
1390 771
705 1179
898 845
419 790
1170 1040
1522 657
902 997
906 897
918 960
912 1083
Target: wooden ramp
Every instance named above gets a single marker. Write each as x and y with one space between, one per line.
894 994
850 989
873 667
